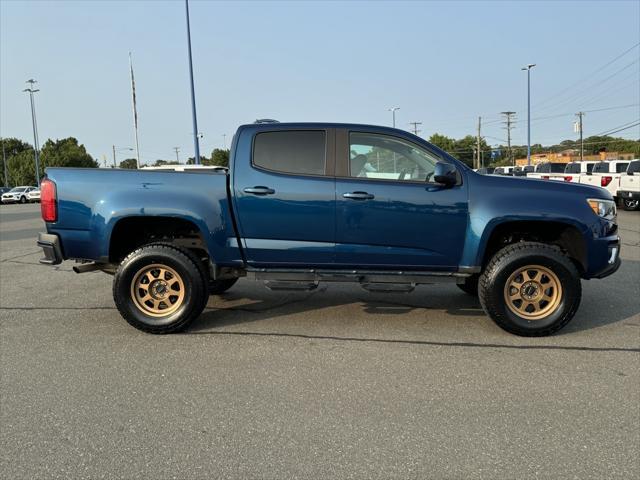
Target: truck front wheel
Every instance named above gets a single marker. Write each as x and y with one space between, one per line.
530 289
160 288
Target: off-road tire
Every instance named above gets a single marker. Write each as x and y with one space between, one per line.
508 260
630 205
192 273
470 285
217 287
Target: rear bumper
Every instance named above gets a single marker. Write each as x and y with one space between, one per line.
627 195
50 245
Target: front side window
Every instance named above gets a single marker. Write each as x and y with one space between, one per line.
572 168
601 167
634 167
557 167
296 152
382 157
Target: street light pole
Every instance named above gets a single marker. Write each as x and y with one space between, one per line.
36 147
393 113
528 69
196 142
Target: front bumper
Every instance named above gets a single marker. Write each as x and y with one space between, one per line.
50 245
608 248
627 195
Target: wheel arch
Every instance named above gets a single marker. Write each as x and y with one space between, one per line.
567 235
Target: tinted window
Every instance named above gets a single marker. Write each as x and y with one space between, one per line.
621 167
590 167
388 158
543 168
301 152
557 167
601 167
572 168
634 167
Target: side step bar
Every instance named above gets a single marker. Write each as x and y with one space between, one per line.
370 279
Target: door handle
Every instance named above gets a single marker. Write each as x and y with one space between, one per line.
259 190
358 196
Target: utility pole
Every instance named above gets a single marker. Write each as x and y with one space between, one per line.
580 115
36 147
114 156
415 127
196 141
4 162
135 113
177 149
224 141
528 69
478 143
509 125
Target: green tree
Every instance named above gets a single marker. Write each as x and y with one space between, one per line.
66 152
129 163
13 147
159 163
441 141
219 157
21 168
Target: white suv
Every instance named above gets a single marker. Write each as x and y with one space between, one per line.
17 194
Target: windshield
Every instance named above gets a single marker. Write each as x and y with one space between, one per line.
18 189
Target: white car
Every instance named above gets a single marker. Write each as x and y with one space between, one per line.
606 174
574 170
629 189
17 195
34 195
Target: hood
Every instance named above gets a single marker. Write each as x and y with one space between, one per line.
532 184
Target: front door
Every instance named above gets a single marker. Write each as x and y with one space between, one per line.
389 212
285 198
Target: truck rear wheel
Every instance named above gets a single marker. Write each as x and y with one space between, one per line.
530 289
160 288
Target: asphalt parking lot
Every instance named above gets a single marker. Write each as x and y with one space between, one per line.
335 383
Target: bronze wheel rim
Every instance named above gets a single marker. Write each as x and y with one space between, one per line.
533 292
157 290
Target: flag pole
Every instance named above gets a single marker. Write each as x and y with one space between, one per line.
135 111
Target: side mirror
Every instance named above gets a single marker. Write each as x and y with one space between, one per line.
446 174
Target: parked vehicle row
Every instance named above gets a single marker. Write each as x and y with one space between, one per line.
615 176
21 194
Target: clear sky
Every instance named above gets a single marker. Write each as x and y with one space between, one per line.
442 63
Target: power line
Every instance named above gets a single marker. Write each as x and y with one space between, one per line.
620 128
587 76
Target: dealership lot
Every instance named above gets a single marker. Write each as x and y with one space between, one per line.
338 382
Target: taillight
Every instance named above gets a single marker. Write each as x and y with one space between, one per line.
568 178
604 181
48 203
545 177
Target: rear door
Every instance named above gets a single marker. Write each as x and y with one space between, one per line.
284 195
389 212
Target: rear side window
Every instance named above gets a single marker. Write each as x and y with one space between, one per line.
572 168
621 167
590 167
557 167
634 167
297 152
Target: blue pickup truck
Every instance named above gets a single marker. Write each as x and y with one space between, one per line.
303 203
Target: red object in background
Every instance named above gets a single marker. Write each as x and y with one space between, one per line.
604 181
545 177
568 178
48 201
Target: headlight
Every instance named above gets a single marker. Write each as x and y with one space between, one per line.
603 208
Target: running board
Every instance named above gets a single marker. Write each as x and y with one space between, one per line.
389 287
283 286
365 277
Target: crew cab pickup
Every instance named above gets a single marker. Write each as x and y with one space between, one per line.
629 189
574 170
606 174
303 203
